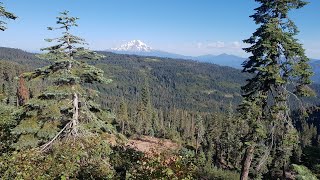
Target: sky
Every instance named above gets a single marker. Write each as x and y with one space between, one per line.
187 27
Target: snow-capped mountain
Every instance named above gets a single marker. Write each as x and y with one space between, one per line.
134 46
137 47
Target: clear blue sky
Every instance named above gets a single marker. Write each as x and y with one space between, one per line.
189 27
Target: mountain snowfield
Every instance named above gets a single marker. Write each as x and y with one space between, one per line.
134 46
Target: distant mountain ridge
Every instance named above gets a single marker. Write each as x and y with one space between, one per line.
315 64
26 58
223 60
137 47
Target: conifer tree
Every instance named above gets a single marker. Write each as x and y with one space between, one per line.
123 115
22 92
8 73
278 60
68 45
6 123
4 14
65 108
199 131
155 124
145 110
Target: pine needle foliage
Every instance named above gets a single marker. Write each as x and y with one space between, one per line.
4 14
68 46
65 107
48 112
278 62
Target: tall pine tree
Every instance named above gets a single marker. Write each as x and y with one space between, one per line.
65 107
123 115
199 131
277 62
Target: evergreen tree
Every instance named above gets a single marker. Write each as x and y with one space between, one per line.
123 115
6 123
231 131
278 60
145 110
4 14
155 124
8 84
22 92
64 108
69 46
199 131
8 81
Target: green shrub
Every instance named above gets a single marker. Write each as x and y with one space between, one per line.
303 173
83 158
217 174
6 123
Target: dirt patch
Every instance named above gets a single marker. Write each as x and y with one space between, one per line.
151 145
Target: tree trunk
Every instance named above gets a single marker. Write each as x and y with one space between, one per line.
247 159
18 102
75 117
197 145
122 128
69 66
216 154
283 171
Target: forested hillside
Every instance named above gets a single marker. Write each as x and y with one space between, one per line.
184 84
169 91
